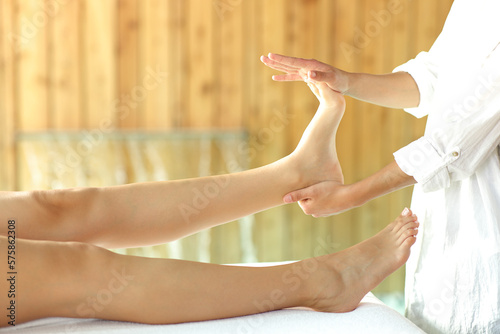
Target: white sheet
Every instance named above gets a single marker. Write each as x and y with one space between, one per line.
372 316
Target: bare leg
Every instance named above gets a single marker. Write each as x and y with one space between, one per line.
84 281
157 212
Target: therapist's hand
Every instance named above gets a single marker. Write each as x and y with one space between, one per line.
323 199
393 90
331 197
298 69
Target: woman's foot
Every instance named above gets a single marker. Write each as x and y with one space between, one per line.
362 267
315 157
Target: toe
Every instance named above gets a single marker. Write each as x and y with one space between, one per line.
410 241
403 221
411 225
408 234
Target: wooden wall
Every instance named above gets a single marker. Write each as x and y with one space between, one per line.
146 71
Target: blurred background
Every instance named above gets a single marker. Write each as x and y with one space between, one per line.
106 92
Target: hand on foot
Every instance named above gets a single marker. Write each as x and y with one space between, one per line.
323 199
327 97
297 69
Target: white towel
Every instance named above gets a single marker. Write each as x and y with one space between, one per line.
372 316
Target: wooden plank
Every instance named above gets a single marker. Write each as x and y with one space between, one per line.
442 10
228 111
102 106
32 90
64 46
177 83
7 96
32 66
251 67
200 71
154 55
426 28
129 84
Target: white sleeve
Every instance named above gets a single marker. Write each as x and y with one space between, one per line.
454 150
424 71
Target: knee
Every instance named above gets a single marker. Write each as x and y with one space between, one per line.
67 211
57 276
60 201
79 257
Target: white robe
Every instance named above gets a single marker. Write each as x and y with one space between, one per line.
453 275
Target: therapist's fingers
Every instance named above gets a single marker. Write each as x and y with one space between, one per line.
299 63
277 66
288 77
330 78
299 195
326 77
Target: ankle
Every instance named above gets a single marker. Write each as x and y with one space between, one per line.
325 283
303 278
291 171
